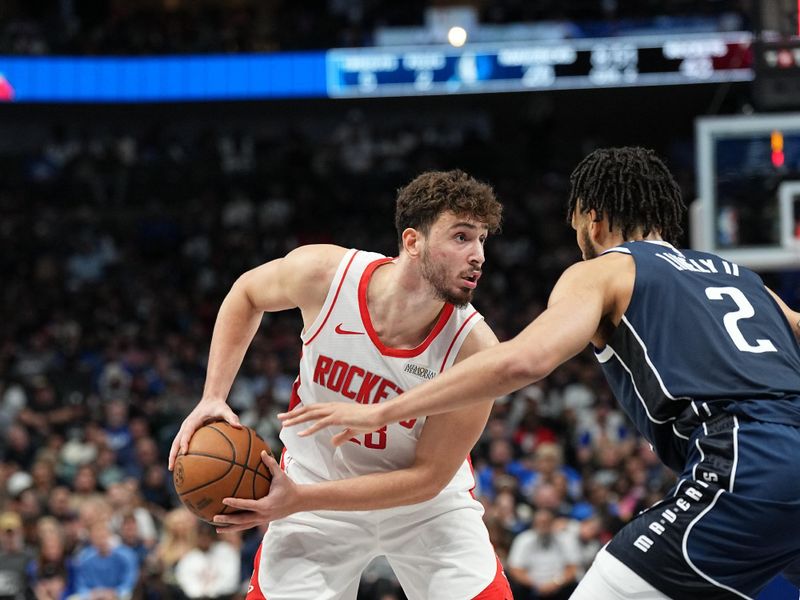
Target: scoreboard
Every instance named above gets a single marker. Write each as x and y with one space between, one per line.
562 64
669 59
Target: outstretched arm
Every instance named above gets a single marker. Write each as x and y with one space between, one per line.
300 279
580 299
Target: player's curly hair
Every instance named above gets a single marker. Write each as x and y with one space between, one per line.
630 186
430 194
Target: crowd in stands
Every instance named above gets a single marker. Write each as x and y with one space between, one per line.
117 249
136 27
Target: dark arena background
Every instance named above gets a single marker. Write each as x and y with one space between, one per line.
152 151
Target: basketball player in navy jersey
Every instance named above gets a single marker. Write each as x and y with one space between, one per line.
703 358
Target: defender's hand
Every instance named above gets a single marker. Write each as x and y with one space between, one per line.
205 412
355 418
282 500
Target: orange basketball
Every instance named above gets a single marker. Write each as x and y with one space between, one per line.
221 462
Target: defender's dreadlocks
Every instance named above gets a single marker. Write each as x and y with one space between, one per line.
632 187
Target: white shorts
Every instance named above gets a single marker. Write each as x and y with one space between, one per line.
609 579
311 556
438 549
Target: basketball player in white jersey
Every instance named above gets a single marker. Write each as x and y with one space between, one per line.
373 327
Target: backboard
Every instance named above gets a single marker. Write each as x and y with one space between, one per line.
748 170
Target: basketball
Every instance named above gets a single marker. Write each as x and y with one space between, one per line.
221 462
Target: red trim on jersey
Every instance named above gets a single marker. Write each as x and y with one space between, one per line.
455 337
447 310
498 589
254 591
335 297
294 399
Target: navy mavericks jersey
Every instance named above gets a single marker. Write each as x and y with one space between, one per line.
701 336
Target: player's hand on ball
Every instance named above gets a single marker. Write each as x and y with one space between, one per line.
283 500
355 418
205 412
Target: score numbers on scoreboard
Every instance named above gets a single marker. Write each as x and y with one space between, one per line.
561 64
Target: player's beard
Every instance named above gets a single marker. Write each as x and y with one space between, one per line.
588 249
437 277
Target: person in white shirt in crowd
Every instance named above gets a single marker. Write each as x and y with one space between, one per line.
212 569
544 560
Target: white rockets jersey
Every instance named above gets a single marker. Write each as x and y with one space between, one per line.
344 361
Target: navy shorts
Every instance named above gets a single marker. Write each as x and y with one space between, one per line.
733 521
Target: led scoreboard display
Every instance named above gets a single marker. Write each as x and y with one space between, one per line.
382 71
562 64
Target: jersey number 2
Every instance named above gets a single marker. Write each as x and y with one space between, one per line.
731 319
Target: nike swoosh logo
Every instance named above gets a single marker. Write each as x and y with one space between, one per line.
341 331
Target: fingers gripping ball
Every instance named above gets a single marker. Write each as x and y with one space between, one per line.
221 462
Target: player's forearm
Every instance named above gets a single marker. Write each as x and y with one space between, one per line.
556 335
370 492
483 376
237 323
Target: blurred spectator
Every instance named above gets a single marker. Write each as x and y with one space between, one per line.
210 570
125 500
601 425
631 488
114 385
14 558
177 539
51 572
29 508
139 426
108 471
544 560
500 462
19 450
43 473
105 570
44 413
94 510
531 432
79 450
146 456
129 535
58 504
591 538
84 487
552 497
510 515
550 469
600 503
155 490
117 430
